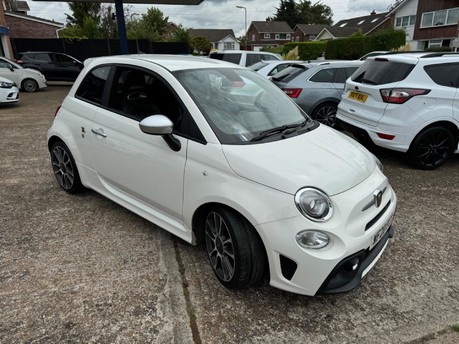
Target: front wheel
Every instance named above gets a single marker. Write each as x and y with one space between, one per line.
431 148
235 251
29 85
65 169
326 114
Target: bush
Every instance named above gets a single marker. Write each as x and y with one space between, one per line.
306 50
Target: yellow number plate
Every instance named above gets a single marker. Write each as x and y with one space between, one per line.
360 97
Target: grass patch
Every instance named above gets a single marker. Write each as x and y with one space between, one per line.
455 328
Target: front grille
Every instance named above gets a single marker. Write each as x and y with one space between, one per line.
377 217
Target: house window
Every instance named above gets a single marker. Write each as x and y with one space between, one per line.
312 37
228 46
283 36
267 35
440 18
435 43
405 21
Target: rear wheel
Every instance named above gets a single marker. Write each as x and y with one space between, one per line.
65 169
326 114
431 148
235 251
29 85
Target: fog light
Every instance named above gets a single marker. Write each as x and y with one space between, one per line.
312 239
353 264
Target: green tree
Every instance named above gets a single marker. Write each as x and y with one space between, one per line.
201 45
181 35
303 13
152 26
82 10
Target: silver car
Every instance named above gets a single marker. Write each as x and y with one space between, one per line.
317 86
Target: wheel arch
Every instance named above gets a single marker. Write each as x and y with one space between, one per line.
445 124
322 102
199 218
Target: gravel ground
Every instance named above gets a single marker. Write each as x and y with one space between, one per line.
81 269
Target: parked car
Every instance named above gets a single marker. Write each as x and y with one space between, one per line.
408 103
28 79
215 154
244 57
271 67
9 93
54 66
317 86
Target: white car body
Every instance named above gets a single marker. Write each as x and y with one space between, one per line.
258 181
272 67
20 75
9 93
244 58
395 126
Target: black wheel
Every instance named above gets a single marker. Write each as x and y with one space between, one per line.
64 168
431 148
29 85
235 251
326 114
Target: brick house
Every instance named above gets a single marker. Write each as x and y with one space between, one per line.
25 26
307 32
268 34
437 24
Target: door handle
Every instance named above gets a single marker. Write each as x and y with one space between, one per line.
99 132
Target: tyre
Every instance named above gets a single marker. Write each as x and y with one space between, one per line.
29 85
431 148
326 114
65 169
234 249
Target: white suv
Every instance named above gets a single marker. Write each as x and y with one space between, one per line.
406 102
244 58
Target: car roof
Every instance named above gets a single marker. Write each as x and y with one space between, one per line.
417 56
169 62
331 63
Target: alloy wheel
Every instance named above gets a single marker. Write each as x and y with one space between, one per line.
63 168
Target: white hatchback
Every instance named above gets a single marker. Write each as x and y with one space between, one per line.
29 80
9 93
406 102
218 155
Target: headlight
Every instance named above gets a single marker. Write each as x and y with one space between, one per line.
4 84
314 204
379 164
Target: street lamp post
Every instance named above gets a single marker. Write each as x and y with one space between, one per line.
245 23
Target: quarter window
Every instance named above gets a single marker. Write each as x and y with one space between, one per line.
93 85
445 74
324 75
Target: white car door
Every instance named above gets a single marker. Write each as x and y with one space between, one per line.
137 169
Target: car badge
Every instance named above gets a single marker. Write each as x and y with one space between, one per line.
377 196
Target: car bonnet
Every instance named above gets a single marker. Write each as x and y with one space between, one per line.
322 158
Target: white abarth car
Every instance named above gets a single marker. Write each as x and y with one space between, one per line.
218 155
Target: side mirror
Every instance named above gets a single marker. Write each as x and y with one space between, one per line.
156 125
10 67
161 125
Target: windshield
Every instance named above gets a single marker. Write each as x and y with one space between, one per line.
241 105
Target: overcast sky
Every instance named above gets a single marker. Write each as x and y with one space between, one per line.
221 14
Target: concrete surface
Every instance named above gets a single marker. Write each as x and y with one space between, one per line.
81 269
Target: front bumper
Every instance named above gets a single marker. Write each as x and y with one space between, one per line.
344 277
358 229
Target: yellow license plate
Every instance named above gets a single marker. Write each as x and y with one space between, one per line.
360 97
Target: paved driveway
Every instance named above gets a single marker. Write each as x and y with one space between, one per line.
81 269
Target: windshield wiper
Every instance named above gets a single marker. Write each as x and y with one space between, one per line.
284 129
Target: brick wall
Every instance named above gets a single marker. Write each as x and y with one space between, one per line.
23 28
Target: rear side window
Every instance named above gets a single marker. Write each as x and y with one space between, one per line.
445 74
252 59
92 86
382 71
234 58
343 74
324 75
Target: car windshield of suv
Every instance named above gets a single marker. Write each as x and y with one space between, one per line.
257 66
242 106
381 71
234 58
